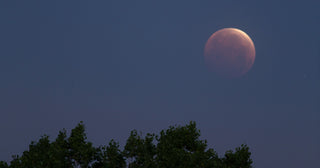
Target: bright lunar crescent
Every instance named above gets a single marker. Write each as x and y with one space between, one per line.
229 53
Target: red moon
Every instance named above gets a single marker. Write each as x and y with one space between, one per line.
229 53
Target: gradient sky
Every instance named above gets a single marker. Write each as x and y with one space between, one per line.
123 65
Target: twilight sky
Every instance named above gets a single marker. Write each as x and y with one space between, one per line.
123 65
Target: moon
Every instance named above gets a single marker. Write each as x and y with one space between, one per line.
229 53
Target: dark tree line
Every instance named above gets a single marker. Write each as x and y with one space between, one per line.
176 147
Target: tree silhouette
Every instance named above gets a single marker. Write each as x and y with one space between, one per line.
175 147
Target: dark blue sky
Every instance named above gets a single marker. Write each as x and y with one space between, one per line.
123 65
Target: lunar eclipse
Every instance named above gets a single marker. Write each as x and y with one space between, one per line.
229 53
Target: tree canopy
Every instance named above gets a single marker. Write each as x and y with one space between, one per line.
175 147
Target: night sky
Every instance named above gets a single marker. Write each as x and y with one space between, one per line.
124 65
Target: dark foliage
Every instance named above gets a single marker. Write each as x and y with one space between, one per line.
176 147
